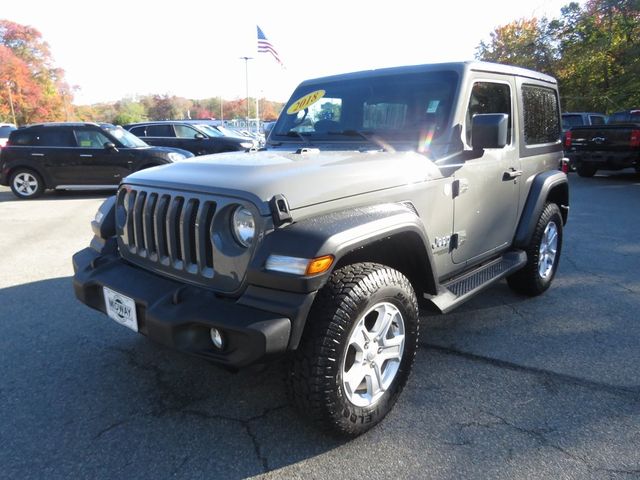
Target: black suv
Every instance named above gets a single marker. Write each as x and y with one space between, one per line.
80 156
199 139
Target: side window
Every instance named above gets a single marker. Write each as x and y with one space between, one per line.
596 120
139 131
91 139
487 97
55 137
182 131
164 130
541 123
23 139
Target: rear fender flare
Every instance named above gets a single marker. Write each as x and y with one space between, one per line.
547 186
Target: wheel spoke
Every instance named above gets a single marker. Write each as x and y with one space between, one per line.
359 338
391 352
386 315
353 378
374 382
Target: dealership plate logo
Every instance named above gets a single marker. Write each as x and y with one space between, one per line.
121 308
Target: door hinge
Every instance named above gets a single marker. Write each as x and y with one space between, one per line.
458 187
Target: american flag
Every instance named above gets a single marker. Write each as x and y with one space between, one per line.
264 46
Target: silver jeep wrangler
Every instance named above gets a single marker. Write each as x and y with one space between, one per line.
377 191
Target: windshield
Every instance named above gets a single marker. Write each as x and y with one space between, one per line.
569 121
209 130
127 139
412 109
228 132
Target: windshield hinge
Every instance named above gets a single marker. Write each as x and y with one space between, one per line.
280 210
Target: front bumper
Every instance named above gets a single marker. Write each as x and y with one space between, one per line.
255 327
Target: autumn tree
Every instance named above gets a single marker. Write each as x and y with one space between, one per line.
593 50
36 81
523 43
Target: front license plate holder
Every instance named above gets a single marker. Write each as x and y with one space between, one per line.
121 308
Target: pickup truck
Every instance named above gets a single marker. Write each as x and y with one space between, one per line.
614 146
378 192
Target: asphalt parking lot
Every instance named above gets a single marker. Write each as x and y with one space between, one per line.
505 387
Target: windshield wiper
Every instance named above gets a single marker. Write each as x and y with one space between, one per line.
368 136
294 133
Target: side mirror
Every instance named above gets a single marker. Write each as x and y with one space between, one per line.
199 136
110 146
489 130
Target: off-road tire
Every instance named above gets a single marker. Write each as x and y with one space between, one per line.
586 169
314 376
528 280
33 191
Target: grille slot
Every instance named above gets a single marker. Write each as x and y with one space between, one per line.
173 231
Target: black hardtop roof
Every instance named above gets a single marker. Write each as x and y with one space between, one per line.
459 67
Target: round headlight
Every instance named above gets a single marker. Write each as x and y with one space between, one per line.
175 156
243 226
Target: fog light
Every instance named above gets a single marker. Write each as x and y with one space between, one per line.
216 338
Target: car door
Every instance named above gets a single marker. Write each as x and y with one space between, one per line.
188 138
55 148
486 188
97 164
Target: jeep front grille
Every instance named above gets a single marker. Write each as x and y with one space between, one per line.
174 233
172 230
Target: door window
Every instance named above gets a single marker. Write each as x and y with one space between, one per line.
160 131
54 137
488 97
91 139
182 131
139 131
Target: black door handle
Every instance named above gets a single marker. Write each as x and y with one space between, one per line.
511 174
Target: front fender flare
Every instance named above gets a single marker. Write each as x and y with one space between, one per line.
337 234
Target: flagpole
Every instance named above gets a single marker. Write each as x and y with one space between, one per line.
246 73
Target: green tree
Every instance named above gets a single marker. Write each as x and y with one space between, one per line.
523 43
593 50
128 111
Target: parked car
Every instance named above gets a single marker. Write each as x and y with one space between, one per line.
427 182
227 131
614 146
5 130
76 156
199 139
580 119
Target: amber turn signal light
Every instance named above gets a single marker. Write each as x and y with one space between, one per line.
319 265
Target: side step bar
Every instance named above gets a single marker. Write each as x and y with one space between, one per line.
460 289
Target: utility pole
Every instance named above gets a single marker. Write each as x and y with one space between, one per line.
246 73
13 113
221 110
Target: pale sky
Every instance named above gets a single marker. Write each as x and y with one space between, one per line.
191 48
